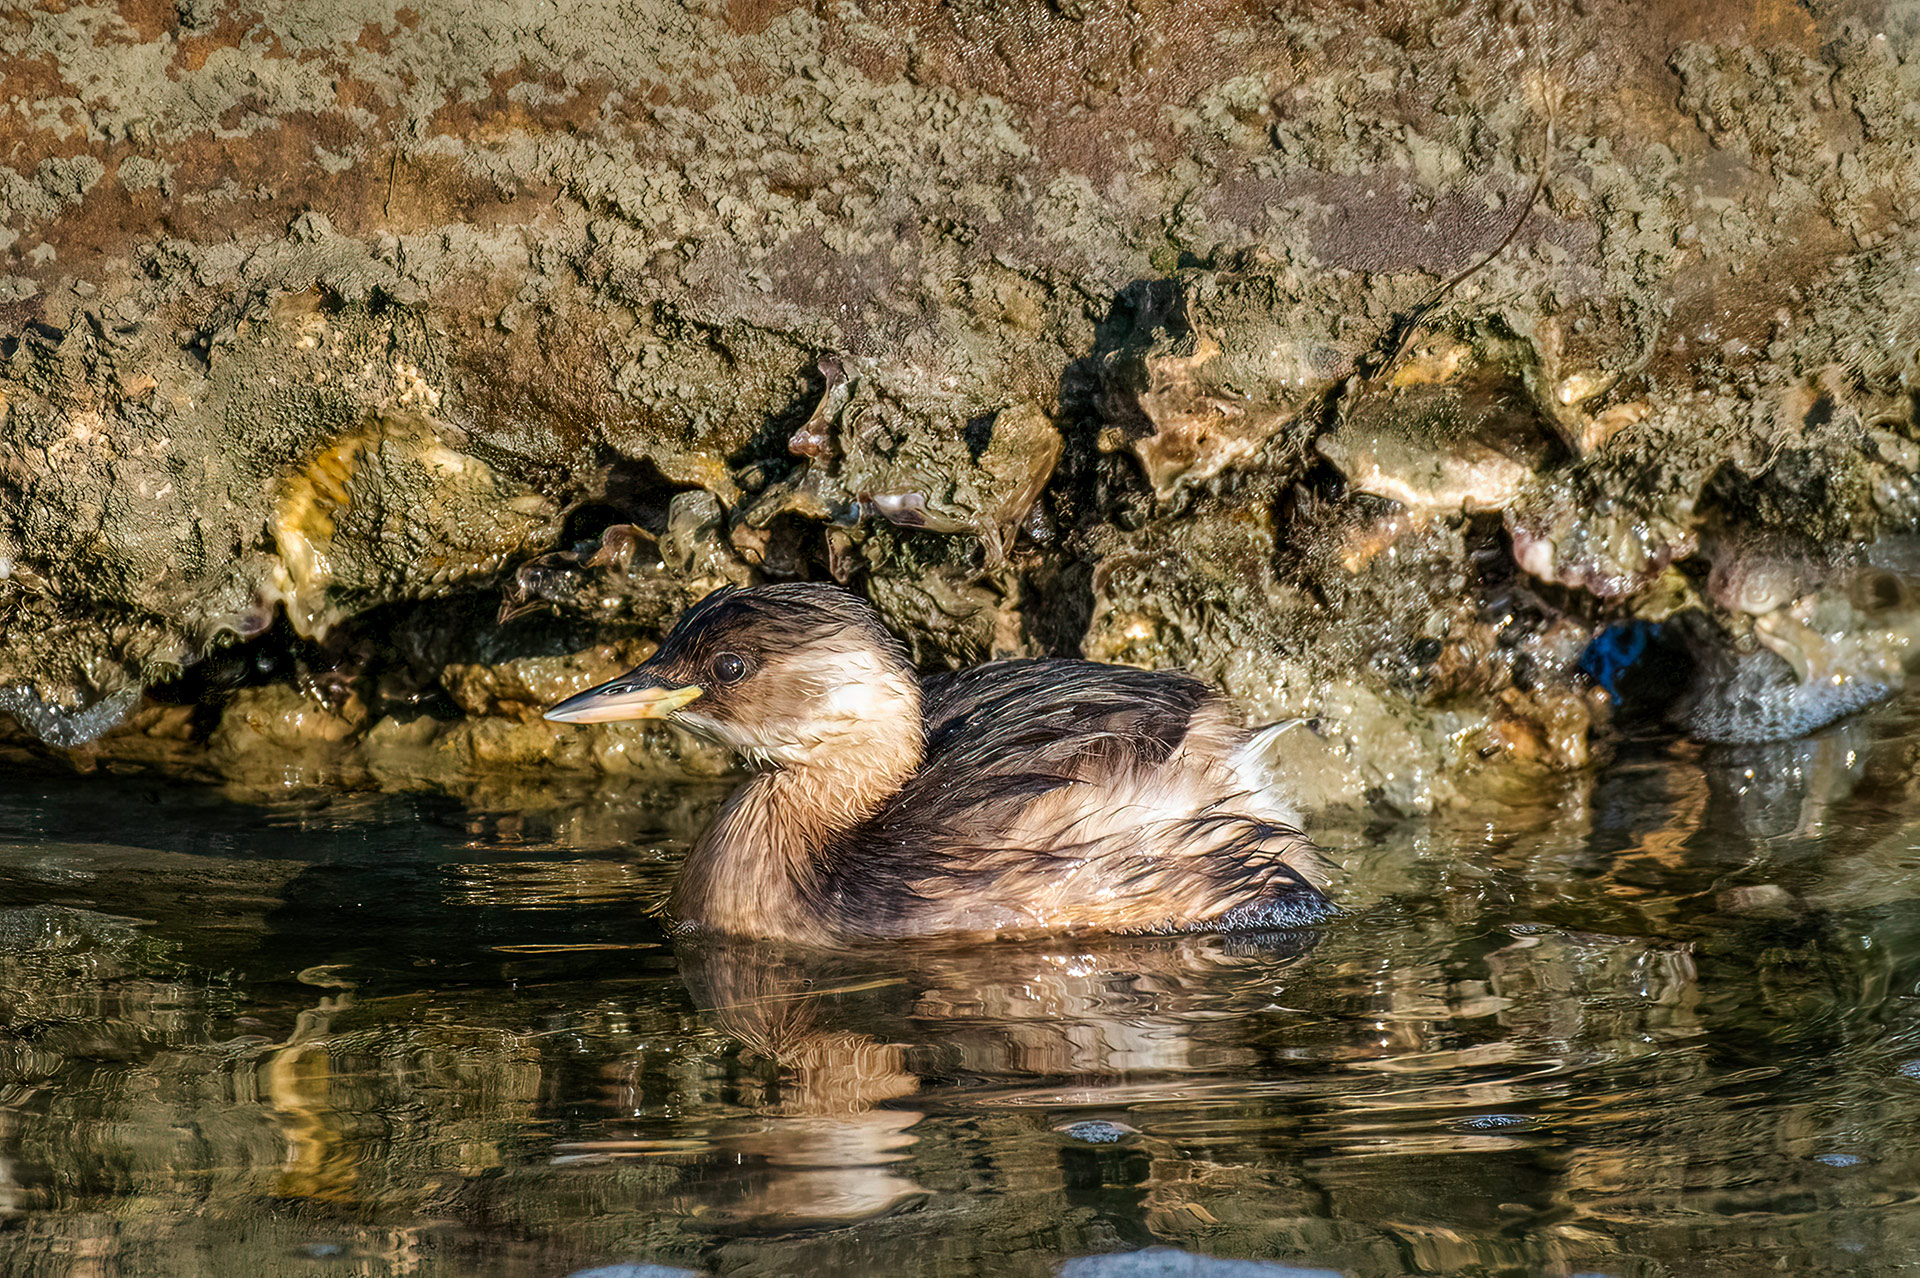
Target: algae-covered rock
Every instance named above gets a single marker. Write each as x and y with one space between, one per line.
1369 361
387 510
524 687
277 718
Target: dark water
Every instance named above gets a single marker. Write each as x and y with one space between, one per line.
1657 1020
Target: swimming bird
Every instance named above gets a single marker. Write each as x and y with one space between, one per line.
1018 797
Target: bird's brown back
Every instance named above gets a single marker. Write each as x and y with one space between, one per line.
1067 794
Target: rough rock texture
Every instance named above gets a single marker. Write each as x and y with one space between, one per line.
1369 359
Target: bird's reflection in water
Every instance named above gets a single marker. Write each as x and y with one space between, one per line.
862 1046
1787 789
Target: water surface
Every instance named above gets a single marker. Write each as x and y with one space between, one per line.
1657 1019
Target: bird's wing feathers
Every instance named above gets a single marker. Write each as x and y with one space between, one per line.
1079 716
1065 793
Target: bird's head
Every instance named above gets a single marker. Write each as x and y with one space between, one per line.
787 675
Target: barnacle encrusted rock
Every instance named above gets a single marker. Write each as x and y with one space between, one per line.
1374 361
1449 431
388 510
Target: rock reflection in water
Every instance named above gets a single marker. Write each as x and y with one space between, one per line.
1663 1016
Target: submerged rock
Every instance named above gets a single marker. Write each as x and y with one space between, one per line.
1823 642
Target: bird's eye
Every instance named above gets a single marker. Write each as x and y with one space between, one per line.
728 668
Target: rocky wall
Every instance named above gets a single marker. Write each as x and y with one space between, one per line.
371 373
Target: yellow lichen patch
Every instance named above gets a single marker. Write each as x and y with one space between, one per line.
698 469
1578 388
415 390
1545 727
1671 594
303 523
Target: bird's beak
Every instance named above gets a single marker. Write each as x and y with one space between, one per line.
628 697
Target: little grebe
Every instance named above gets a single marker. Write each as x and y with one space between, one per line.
1015 797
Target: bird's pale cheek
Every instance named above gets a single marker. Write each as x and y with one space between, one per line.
761 749
854 703
701 726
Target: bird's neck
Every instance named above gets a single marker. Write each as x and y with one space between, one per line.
764 868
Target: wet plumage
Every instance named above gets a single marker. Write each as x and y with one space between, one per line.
1015 797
